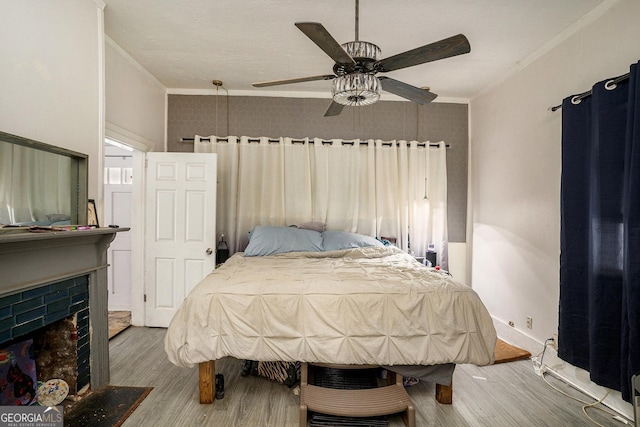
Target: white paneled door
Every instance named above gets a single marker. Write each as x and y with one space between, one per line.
180 229
118 181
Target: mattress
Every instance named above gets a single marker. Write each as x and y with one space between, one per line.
372 305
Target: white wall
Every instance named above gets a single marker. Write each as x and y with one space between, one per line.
50 75
135 100
516 164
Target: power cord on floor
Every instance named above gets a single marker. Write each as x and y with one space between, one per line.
540 369
538 365
587 405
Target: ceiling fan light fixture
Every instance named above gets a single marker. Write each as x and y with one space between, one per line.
362 50
356 64
356 89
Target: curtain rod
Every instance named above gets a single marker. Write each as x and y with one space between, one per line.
300 141
583 95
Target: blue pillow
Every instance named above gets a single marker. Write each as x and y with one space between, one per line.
270 240
336 240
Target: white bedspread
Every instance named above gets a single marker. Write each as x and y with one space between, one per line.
375 305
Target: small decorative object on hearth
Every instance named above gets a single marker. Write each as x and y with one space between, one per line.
53 392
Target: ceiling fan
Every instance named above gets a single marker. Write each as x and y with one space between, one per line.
356 64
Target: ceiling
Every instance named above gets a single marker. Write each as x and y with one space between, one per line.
187 44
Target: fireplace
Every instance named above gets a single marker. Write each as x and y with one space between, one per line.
52 277
56 317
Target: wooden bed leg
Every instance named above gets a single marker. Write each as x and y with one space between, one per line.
303 416
409 416
444 393
304 372
206 375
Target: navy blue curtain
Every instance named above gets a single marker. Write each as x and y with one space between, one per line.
599 313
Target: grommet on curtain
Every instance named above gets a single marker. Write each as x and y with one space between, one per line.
576 100
610 85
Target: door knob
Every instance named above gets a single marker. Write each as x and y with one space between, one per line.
209 251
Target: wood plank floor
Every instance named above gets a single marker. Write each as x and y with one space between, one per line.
508 394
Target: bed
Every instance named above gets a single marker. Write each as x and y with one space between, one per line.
329 298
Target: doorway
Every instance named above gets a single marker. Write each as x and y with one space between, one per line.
118 211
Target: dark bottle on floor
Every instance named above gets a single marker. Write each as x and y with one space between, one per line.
219 386
222 251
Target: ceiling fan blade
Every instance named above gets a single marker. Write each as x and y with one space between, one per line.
446 48
320 36
334 109
298 80
412 93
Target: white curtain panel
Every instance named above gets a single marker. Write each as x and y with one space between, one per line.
227 183
296 185
336 184
260 185
378 188
436 211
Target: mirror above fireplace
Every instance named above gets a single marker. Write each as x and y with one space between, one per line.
41 184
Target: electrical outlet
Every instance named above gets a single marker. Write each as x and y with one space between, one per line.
511 323
529 322
554 337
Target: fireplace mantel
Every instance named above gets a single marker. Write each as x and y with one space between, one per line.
30 260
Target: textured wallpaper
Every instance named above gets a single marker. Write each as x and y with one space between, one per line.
190 115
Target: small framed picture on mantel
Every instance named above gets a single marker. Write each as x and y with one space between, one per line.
92 214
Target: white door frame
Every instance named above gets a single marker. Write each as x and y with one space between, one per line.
141 147
137 239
